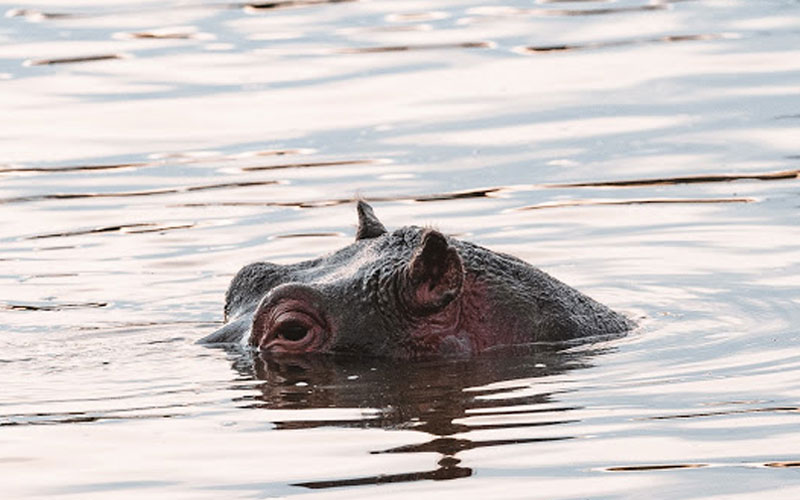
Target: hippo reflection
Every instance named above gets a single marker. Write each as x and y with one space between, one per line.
511 391
409 293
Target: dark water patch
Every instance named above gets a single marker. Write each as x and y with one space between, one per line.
74 168
459 195
536 49
598 12
523 412
502 11
70 417
161 229
312 164
52 307
213 156
96 230
275 152
170 340
643 468
406 48
285 4
519 425
84 419
740 402
15 360
489 192
788 117
782 465
107 397
444 473
308 235
453 195
449 465
450 446
161 36
130 194
49 275
294 425
688 179
146 324
37 15
165 34
56 247
775 409
644 201
73 60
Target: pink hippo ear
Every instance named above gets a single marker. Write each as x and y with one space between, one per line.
435 274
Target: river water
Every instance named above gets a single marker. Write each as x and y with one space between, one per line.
645 152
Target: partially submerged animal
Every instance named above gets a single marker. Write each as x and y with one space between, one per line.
409 293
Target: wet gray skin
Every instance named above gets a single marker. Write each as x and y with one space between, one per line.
409 293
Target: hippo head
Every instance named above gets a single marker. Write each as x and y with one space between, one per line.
409 293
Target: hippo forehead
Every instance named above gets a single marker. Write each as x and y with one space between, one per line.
359 258
343 267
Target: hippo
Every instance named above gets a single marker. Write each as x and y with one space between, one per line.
409 293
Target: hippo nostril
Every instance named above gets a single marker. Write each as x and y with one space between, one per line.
293 331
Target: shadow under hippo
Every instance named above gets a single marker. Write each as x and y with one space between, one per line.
408 293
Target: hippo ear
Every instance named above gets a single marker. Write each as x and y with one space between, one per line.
368 224
435 274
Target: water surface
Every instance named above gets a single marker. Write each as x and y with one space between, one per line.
645 152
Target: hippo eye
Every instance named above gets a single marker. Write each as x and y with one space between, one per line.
293 331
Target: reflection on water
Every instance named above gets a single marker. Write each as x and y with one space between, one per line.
71 60
600 45
435 398
644 152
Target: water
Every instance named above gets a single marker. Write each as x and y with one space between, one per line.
646 153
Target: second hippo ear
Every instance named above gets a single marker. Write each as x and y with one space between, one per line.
368 224
435 274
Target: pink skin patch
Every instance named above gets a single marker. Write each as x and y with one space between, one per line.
463 327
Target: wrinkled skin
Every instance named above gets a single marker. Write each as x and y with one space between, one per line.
410 293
